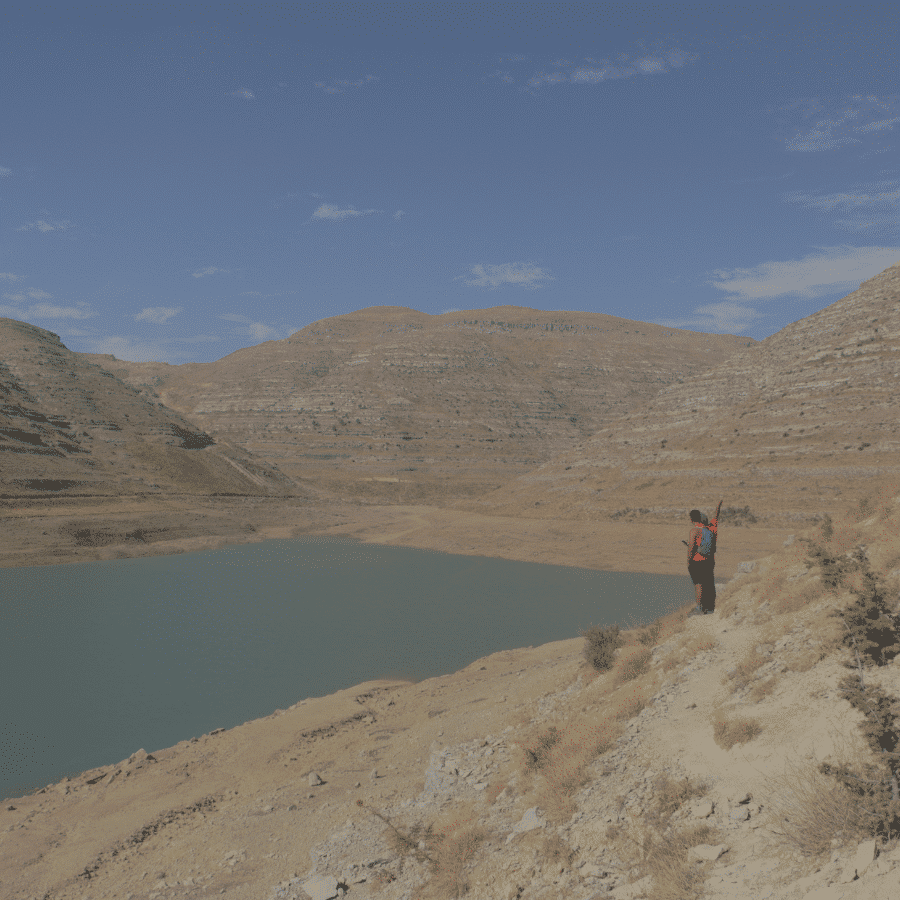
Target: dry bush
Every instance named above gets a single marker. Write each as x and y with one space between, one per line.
453 857
812 813
742 673
729 732
763 689
556 796
555 851
453 847
632 666
631 708
656 849
688 647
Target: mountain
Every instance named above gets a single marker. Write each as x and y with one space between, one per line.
782 430
389 404
68 427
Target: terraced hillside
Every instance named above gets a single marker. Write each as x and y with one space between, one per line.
395 405
781 430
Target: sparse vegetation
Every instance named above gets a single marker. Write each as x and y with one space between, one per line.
811 811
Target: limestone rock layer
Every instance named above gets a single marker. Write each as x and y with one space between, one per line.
396 405
69 427
803 421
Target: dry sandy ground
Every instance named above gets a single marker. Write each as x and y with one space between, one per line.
177 816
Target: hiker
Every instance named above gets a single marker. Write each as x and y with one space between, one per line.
701 546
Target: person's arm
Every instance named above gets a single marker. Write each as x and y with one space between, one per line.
692 543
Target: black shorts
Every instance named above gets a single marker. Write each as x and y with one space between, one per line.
702 572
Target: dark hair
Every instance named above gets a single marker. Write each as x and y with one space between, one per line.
696 515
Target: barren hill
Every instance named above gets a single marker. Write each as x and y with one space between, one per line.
788 427
394 405
67 427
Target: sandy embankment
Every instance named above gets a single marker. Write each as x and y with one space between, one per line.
76 530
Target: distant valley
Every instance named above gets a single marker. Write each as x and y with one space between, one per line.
508 415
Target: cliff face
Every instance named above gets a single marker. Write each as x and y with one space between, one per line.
789 426
69 427
389 403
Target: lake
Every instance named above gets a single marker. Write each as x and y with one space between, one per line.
98 659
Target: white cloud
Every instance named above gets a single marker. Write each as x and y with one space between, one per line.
258 331
41 225
884 124
270 294
30 294
4 172
127 349
329 211
594 72
346 84
523 274
244 93
835 129
452 309
45 311
10 277
722 318
847 198
210 270
157 315
399 214
831 270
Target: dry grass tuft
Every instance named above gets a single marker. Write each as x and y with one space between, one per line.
729 732
812 813
654 847
634 665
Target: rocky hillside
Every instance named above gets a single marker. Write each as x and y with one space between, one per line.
396 405
68 427
783 429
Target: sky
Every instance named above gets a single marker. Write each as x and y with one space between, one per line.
179 182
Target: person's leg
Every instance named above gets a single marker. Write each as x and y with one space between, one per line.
695 570
709 588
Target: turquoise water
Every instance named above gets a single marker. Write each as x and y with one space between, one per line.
99 659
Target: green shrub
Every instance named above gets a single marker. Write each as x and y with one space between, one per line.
871 634
871 628
835 566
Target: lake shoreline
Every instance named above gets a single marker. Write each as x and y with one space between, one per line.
56 533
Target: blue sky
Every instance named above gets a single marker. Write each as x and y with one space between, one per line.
178 183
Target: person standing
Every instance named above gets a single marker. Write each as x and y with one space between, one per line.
701 559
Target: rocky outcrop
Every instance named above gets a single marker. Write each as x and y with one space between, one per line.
69 427
393 404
